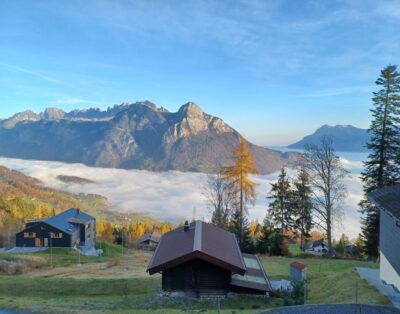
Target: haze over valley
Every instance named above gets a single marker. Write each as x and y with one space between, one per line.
172 195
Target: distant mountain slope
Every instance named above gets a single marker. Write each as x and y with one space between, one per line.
138 135
346 138
31 199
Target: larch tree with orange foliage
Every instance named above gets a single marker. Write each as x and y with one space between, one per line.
238 177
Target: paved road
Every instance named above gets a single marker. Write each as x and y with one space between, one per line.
373 278
335 309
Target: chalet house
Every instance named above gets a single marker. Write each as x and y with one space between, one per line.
149 240
201 259
71 228
319 246
388 201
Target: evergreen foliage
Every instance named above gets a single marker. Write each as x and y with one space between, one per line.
383 165
302 206
280 209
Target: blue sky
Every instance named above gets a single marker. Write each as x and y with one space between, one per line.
274 70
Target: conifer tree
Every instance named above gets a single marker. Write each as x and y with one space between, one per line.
383 165
242 187
302 206
280 209
240 221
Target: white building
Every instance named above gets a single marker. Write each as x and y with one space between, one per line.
388 201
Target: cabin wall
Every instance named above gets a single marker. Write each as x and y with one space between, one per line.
389 246
42 236
197 276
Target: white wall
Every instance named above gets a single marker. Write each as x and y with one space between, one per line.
388 273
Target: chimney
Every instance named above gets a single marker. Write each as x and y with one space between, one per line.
186 226
77 211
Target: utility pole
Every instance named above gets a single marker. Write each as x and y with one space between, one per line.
356 292
51 249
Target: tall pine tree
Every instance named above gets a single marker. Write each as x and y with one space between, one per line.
302 206
280 209
383 165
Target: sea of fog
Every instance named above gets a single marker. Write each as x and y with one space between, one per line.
172 195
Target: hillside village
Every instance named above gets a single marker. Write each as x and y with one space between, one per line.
199 157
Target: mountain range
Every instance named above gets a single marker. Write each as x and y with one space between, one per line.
132 136
346 138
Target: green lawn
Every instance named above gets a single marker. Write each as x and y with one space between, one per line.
330 281
65 256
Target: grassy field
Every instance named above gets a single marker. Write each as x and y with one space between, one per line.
118 283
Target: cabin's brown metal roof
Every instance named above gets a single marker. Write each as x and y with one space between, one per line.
387 198
255 277
203 241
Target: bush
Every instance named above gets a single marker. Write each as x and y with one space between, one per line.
295 296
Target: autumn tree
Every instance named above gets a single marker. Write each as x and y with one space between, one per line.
326 174
383 165
238 178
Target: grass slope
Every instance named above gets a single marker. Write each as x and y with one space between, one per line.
118 283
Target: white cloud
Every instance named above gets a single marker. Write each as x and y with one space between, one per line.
168 195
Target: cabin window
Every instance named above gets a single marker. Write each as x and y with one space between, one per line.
29 234
57 235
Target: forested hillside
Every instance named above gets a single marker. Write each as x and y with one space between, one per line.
23 198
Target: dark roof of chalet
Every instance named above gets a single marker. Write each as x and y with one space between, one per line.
319 242
298 265
64 221
387 198
201 240
255 277
154 237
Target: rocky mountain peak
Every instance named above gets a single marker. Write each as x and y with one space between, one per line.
27 115
52 113
191 110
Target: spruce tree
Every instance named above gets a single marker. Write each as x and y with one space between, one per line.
302 206
240 225
280 209
383 165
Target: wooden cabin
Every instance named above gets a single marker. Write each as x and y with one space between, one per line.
67 229
149 241
201 259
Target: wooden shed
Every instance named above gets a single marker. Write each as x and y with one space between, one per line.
202 259
298 271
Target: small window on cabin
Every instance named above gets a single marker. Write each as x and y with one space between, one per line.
57 235
29 234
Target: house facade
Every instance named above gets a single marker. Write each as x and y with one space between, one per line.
319 246
202 259
388 201
149 241
68 229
